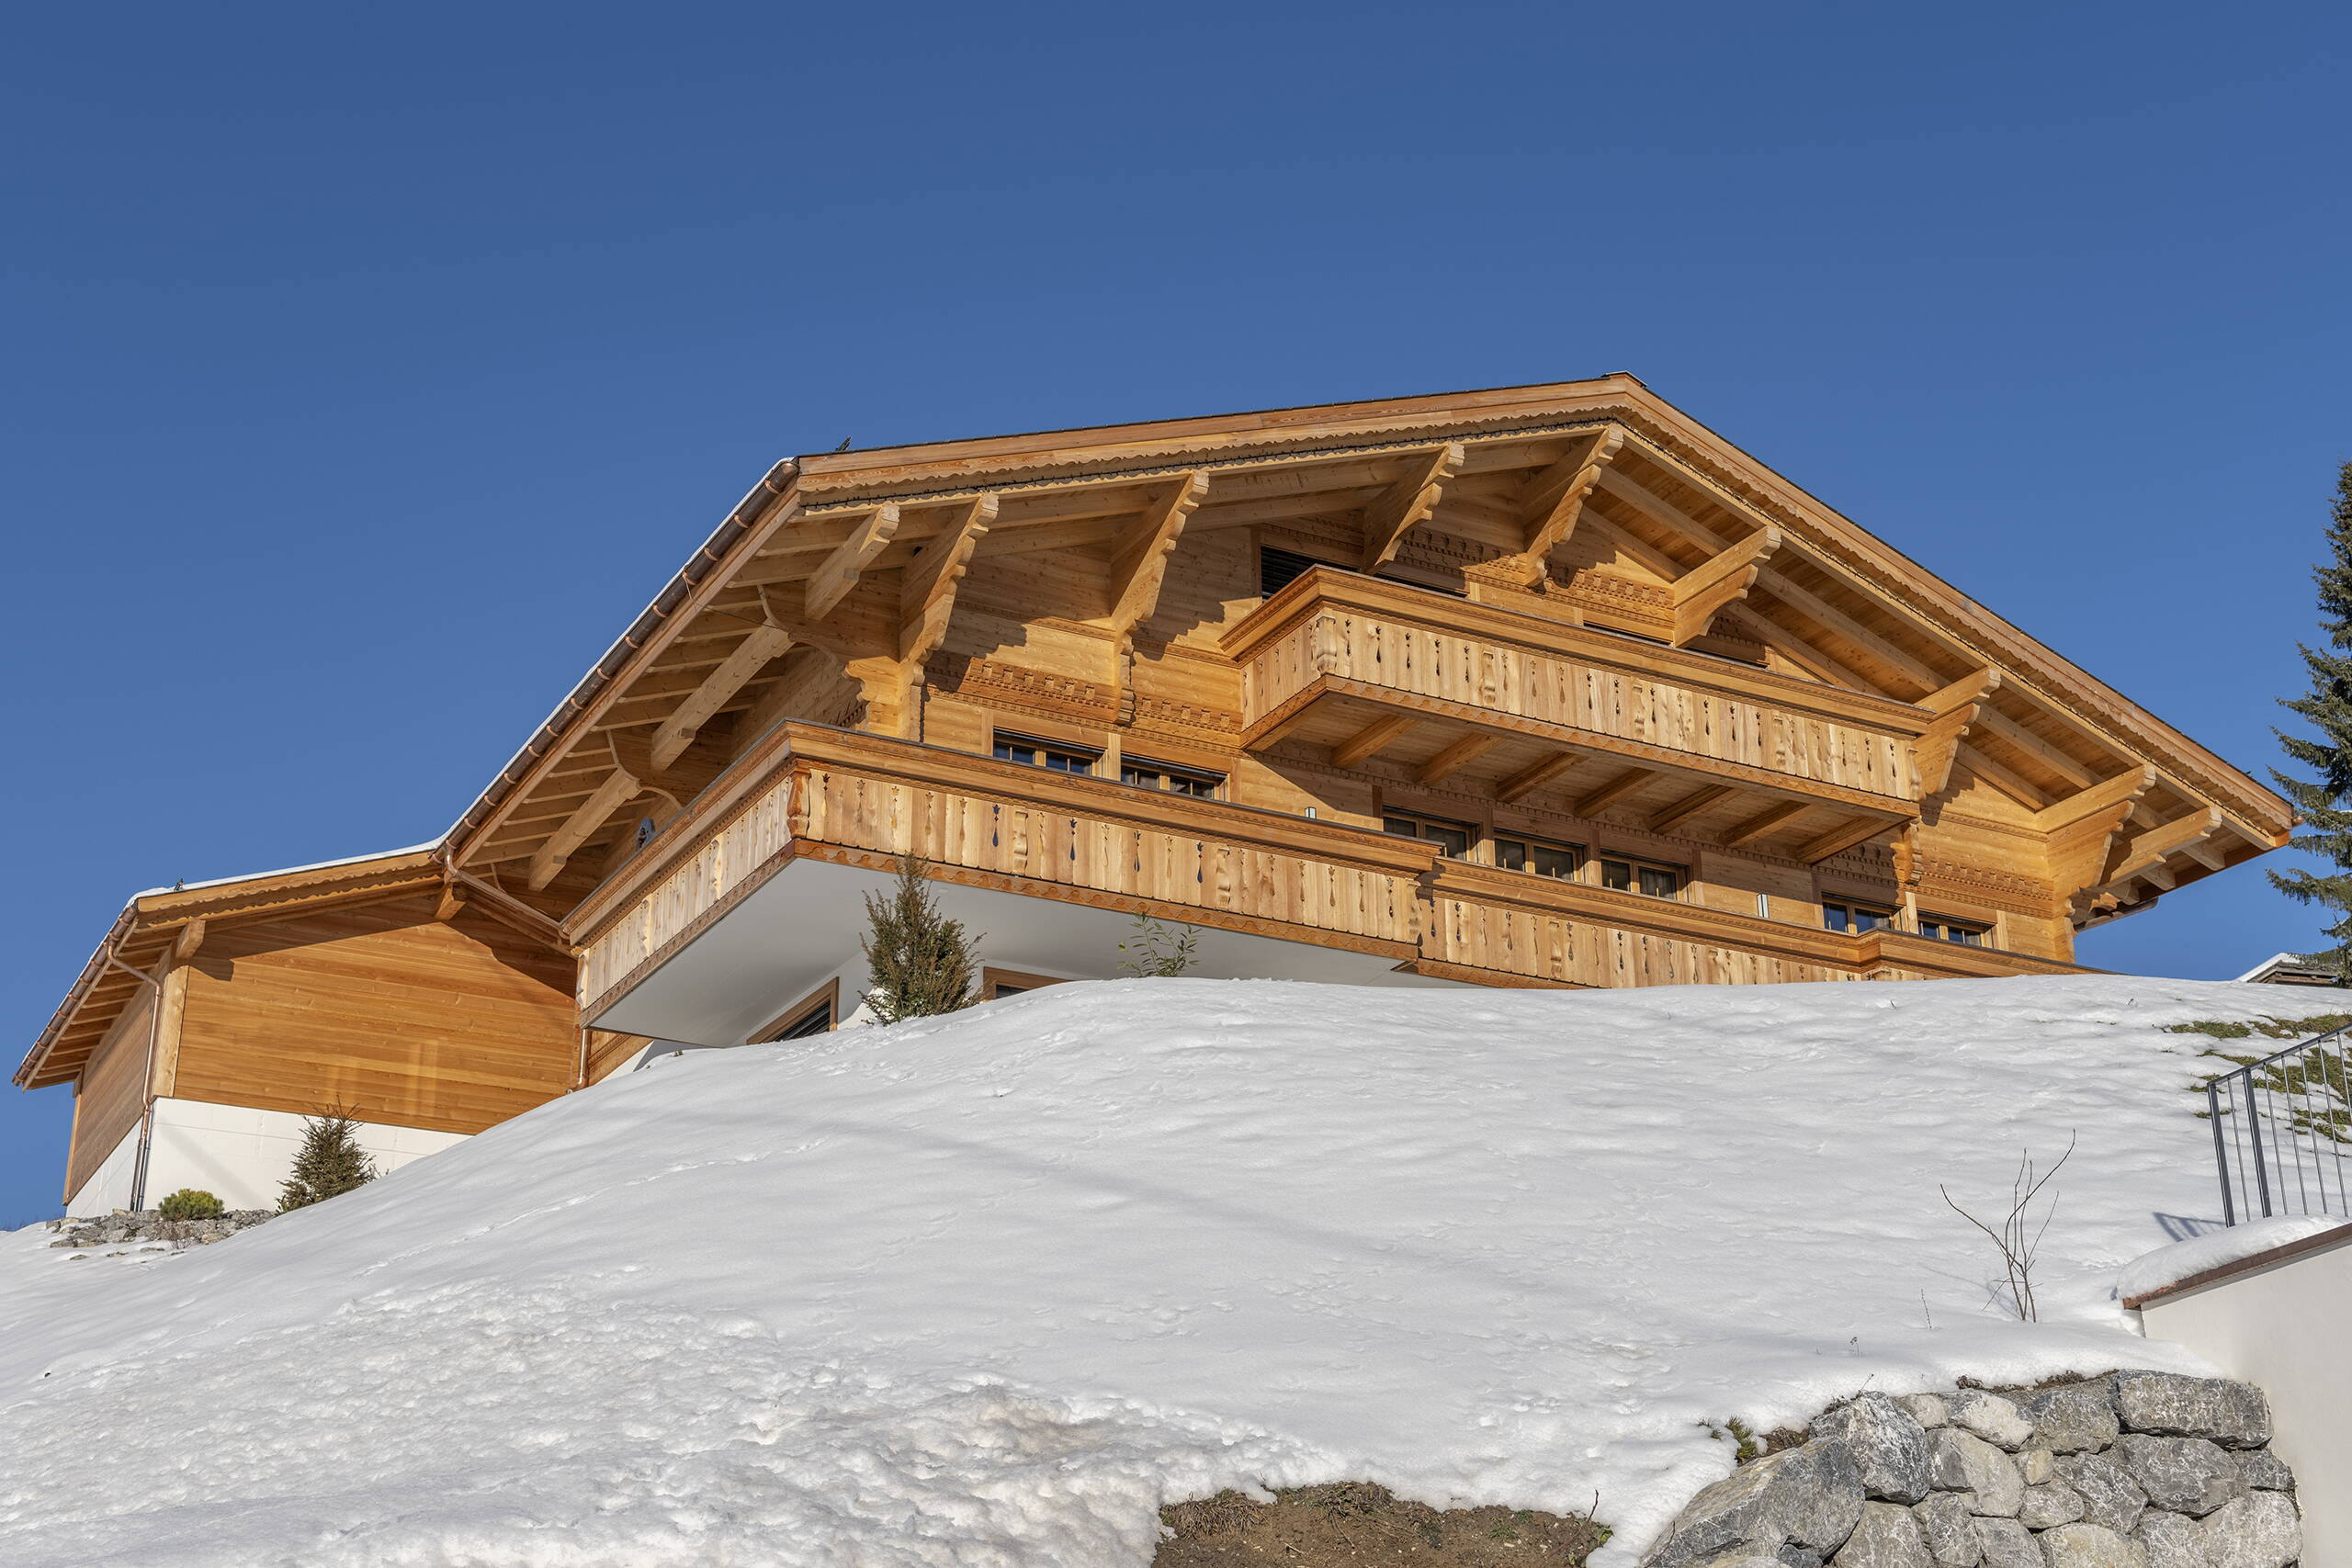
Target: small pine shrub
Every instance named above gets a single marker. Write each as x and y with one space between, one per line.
920 961
188 1203
330 1161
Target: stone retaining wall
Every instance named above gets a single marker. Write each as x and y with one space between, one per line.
2137 1470
126 1225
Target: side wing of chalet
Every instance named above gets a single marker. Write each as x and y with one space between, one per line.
1538 687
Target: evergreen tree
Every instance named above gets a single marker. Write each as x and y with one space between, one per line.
330 1161
2321 803
921 962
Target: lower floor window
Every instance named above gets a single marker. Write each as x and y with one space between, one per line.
813 1016
1640 876
1845 915
1533 854
1943 927
1452 839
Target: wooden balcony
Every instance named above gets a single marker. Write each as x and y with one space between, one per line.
1366 666
815 792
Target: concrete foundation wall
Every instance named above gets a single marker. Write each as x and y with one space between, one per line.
238 1153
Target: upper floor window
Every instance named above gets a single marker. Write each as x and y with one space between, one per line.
1646 877
1562 861
1452 839
1062 756
1846 915
1278 568
1144 773
1943 927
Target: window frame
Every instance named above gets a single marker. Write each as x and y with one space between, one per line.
1044 745
1215 781
1637 865
997 982
1471 832
1890 918
825 998
1980 930
1580 857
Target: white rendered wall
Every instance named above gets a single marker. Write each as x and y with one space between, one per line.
2284 1329
108 1188
242 1156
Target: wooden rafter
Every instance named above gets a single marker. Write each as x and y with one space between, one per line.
1615 790
2021 790
1772 816
1689 805
580 825
2074 772
759 646
839 573
1720 580
1535 775
1457 756
1365 742
1844 837
1407 504
2144 855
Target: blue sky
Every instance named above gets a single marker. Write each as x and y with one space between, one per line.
366 373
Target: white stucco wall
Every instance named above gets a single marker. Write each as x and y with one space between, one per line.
108 1188
239 1155
2283 1328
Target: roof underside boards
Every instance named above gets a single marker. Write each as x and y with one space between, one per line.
1659 497
144 937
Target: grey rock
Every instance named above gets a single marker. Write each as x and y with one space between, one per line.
1962 1462
2091 1546
2039 1466
1991 1418
1809 1496
2110 1498
2047 1506
2169 1542
2074 1418
2007 1544
1744 1560
2165 1405
2261 1529
1887 1537
2266 1472
1949 1529
2188 1475
1890 1449
1798 1557
1927 1409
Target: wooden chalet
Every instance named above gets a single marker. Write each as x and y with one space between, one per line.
1537 686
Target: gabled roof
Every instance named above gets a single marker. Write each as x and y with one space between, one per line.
144 935
1837 600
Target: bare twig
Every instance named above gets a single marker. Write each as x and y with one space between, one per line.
2018 1239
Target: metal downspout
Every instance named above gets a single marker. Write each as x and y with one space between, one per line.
147 1082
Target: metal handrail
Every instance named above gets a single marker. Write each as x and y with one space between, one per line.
2282 1127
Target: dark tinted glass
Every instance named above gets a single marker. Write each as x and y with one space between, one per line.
1617 874
1550 861
1511 854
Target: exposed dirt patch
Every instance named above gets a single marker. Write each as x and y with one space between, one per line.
1356 1525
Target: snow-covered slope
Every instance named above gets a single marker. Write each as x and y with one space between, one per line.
985 1291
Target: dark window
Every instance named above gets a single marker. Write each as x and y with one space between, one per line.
1943 927
1278 568
1031 752
1145 774
816 1020
1452 839
1845 915
1643 877
1544 859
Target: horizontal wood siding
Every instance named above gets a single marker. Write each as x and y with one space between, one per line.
111 1094
381 1009
1619 704
1515 941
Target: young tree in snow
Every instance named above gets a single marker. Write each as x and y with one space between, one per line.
1155 951
329 1162
2321 802
921 962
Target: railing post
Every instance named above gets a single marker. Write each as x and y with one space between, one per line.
2254 1142
2221 1149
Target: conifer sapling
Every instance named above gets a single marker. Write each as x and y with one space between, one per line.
921 962
2321 803
329 1162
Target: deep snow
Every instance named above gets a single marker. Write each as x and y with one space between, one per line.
985 1291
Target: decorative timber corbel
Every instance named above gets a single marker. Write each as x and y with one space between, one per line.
1552 501
1722 580
1956 707
1139 568
839 573
2081 844
2141 858
1408 502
